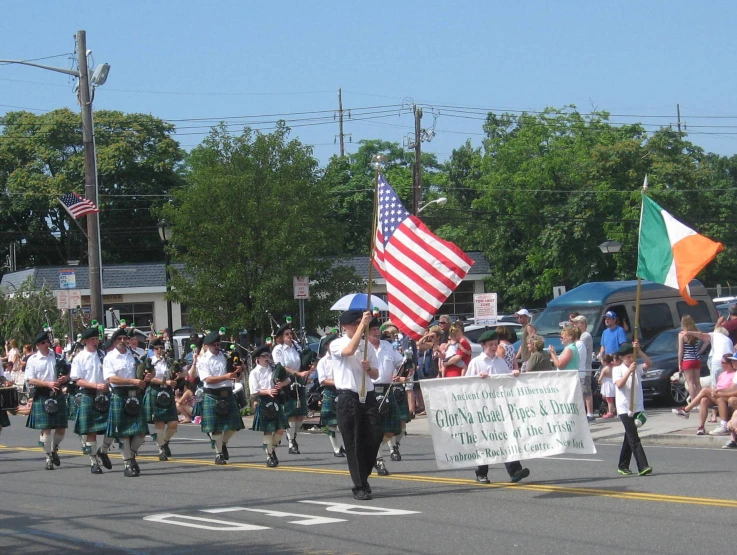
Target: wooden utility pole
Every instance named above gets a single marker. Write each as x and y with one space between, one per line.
678 110
417 168
341 135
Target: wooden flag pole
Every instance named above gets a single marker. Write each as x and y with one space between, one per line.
635 337
375 223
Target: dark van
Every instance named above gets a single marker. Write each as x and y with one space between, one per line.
661 308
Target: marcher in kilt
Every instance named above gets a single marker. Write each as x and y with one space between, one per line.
389 361
270 417
159 401
49 409
126 419
221 417
286 353
94 400
401 397
328 413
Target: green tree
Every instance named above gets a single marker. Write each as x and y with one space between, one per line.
23 312
253 216
41 158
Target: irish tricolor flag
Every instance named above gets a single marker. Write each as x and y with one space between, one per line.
669 252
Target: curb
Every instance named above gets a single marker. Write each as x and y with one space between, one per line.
705 442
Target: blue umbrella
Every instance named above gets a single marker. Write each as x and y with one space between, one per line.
357 301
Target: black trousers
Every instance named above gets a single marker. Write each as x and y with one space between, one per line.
631 445
512 468
360 425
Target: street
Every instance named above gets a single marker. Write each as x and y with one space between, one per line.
576 505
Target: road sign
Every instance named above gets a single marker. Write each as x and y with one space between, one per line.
484 309
301 287
67 279
68 299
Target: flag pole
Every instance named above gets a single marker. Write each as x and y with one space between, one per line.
636 331
377 162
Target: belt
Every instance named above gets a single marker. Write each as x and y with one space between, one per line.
44 391
219 391
125 391
87 391
352 393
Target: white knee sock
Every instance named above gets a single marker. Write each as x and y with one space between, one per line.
292 432
169 434
333 439
218 443
269 444
106 443
160 440
92 446
57 439
276 438
136 442
227 435
127 453
46 439
392 443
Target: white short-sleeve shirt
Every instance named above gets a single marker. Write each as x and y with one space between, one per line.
87 366
389 360
261 377
325 368
622 394
122 365
347 371
482 364
288 356
41 367
213 365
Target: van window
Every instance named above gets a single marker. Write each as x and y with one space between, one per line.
699 313
622 320
549 322
655 318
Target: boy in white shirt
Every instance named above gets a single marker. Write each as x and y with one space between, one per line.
623 375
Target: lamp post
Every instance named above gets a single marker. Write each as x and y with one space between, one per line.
439 201
94 254
165 236
610 247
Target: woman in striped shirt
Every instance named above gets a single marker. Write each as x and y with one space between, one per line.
689 349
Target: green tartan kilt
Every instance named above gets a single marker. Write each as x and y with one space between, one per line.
290 407
404 409
88 419
197 409
328 414
390 421
4 420
38 419
212 423
119 424
72 405
261 424
154 413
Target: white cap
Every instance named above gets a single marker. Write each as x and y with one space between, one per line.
523 312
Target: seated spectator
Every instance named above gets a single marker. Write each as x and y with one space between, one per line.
185 403
707 398
539 361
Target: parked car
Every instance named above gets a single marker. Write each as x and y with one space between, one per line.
663 350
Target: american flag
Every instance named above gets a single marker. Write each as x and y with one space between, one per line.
78 206
421 270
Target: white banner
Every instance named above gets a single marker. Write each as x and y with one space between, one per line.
475 421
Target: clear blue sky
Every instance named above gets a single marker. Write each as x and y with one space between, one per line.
180 60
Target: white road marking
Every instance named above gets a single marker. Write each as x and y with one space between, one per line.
212 524
361 509
304 520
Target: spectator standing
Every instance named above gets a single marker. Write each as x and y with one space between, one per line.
523 353
689 362
613 336
538 361
585 347
568 359
730 323
606 385
505 350
457 355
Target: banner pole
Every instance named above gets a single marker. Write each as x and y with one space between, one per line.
374 224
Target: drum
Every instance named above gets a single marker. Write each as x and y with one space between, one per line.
240 395
8 398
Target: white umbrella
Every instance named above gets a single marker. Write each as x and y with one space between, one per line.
357 301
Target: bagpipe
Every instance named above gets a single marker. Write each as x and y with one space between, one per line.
397 388
270 409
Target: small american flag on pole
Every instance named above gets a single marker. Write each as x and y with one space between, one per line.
78 206
421 270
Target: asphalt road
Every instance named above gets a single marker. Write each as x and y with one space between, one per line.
573 505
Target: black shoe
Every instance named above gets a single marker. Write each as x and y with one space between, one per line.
49 463
219 460
226 455
105 460
167 451
95 469
362 495
276 459
135 467
129 472
524 473
396 455
271 461
293 449
340 453
55 458
381 468
162 456
482 479
367 488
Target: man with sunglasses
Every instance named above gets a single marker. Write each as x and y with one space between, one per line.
49 408
126 419
161 409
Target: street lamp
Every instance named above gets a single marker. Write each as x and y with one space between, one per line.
165 236
439 201
610 247
94 253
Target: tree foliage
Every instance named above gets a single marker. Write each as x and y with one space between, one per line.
253 216
23 312
42 158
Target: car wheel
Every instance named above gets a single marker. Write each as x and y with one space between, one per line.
677 393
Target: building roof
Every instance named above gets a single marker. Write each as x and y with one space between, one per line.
153 274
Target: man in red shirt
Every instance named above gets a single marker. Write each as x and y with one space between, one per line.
730 323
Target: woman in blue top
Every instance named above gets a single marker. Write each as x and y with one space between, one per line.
569 358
